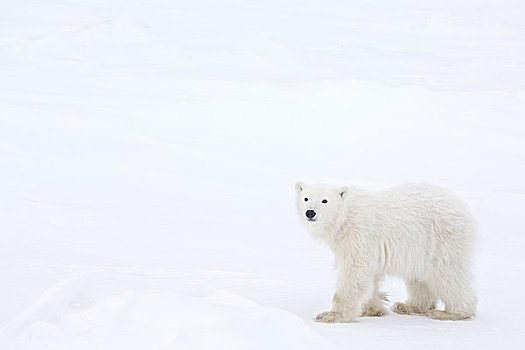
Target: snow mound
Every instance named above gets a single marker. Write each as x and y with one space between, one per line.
68 296
203 319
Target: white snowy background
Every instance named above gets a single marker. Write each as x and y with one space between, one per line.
149 150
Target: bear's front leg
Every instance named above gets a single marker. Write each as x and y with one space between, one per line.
354 287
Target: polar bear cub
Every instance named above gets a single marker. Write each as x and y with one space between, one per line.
420 233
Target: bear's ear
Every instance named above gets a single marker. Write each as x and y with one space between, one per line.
343 190
299 186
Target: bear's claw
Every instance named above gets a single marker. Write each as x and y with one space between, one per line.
331 317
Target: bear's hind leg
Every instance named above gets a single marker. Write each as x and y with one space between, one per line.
420 299
455 291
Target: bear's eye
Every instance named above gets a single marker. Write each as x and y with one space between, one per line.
325 201
306 199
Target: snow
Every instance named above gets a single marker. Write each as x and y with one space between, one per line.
149 151
204 319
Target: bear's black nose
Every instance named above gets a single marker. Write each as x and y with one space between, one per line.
310 214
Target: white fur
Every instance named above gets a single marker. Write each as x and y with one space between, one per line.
420 233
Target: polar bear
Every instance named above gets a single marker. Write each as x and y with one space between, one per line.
420 233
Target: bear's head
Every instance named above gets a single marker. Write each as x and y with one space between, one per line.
319 204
